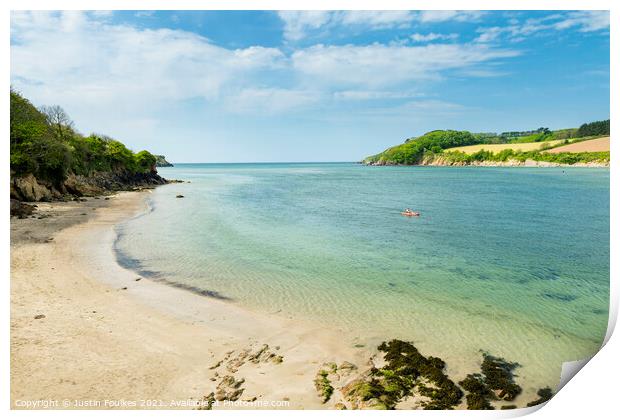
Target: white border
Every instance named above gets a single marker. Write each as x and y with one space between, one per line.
592 394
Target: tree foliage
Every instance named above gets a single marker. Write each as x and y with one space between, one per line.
412 151
596 128
45 144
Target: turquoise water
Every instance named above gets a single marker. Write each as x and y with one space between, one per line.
510 260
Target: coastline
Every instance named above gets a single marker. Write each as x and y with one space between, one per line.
509 163
106 336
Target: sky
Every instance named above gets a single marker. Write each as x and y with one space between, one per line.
316 86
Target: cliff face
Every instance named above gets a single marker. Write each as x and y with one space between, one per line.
29 188
439 160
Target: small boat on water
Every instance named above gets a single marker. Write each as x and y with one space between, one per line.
410 213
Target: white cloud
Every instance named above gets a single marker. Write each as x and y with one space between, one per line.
417 37
118 75
270 100
583 21
376 19
144 13
361 95
380 65
300 24
455 15
74 54
297 23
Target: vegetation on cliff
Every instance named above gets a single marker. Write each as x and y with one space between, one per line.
432 147
455 157
412 151
44 143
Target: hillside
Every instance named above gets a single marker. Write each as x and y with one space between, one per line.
51 160
412 151
449 147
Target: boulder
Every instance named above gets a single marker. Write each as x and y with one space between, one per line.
28 189
20 210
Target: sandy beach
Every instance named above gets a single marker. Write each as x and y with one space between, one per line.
84 330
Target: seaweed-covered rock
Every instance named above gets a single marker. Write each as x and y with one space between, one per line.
206 402
545 395
323 385
404 371
366 394
499 376
229 389
479 395
496 382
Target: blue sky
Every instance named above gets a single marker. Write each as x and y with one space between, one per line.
263 86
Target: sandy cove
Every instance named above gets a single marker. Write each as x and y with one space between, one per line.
107 336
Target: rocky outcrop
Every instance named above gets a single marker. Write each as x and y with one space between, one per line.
162 162
30 189
110 181
439 160
27 188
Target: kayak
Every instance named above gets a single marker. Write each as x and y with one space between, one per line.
410 213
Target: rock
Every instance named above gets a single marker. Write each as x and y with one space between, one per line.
180 196
256 357
346 367
362 395
20 210
323 385
207 401
28 189
40 316
161 161
229 389
139 278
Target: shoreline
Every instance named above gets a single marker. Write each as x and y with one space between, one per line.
144 340
498 164
170 343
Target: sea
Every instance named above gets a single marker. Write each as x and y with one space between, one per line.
510 261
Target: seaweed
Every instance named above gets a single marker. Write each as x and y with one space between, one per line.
404 368
479 394
498 376
323 385
496 382
545 395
